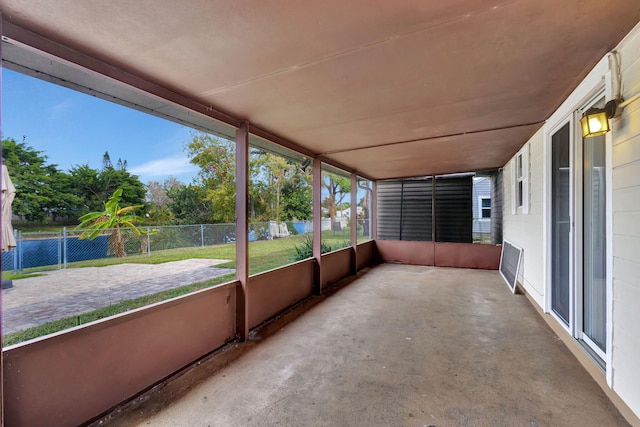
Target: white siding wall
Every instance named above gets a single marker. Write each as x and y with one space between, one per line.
526 230
626 231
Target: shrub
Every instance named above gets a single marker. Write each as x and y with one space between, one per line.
306 249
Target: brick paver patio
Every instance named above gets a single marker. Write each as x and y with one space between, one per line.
63 293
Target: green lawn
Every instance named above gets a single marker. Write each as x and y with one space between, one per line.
263 255
10 275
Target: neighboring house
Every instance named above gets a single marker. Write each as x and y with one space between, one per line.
346 213
481 205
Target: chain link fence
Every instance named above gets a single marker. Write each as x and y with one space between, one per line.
55 250
34 250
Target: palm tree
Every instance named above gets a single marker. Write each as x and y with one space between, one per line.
113 218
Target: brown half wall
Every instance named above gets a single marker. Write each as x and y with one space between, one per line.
468 255
336 266
366 254
69 378
275 290
406 252
460 255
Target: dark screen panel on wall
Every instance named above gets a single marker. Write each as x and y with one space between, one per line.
454 213
389 199
405 209
416 210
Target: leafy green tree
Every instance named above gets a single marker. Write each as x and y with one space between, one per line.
337 188
216 178
106 161
297 195
270 173
107 164
158 201
111 179
88 187
112 219
93 187
41 189
190 205
279 189
66 200
43 192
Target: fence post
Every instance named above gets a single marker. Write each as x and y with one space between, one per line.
59 250
65 244
202 234
21 260
15 251
148 242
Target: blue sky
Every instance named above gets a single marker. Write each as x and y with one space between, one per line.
72 128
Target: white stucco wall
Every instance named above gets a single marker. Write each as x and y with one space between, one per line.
527 231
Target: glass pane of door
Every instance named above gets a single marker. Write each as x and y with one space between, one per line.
594 243
560 222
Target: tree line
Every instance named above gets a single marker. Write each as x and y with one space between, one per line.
45 193
279 189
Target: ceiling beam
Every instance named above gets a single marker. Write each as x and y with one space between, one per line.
429 138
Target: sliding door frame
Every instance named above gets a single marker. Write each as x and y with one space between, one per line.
595 85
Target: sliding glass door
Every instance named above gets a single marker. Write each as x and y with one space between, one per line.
594 266
578 225
560 223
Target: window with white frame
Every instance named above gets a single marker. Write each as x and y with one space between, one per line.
520 182
485 208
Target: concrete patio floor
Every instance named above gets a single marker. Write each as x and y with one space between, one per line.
398 346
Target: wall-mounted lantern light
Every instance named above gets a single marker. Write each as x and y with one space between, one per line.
595 121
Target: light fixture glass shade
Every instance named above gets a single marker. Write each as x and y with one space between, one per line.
594 124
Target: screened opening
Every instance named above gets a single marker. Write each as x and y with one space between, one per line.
365 200
79 149
280 206
335 208
446 208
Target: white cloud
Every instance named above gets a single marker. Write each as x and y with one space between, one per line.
60 110
175 165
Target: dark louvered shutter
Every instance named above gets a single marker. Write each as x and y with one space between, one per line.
405 209
454 214
416 210
389 200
